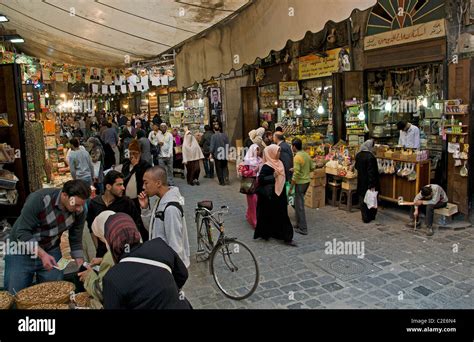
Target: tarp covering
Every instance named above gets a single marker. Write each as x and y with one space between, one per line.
103 32
263 26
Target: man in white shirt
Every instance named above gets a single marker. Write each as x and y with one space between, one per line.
165 158
409 135
153 137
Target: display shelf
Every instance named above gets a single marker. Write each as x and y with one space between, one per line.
455 125
448 133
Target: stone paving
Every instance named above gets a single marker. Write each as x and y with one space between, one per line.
400 268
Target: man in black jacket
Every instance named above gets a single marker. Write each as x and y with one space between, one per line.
206 150
286 154
113 199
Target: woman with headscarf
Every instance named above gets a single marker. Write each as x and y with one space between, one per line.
272 204
96 151
145 276
250 167
367 178
178 166
192 155
92 279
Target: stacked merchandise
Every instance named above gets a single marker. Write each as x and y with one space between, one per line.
355 124
35 154
8 194
315 196
193 116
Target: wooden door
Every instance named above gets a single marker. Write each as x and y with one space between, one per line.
459 88
249 110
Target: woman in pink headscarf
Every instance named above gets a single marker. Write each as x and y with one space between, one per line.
272 204
249 168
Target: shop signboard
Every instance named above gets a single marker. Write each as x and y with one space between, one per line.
416 33
313 66
289 89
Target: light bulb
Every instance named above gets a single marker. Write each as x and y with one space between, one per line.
46 95
361 115
298 111
201 101
320 109
276 103
425 102
388 107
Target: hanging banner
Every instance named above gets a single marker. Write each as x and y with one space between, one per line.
313 66
415 33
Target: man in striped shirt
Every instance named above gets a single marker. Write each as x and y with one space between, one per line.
46 214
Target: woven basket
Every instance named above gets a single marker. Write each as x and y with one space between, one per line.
49 307
6 300
82 300
53 292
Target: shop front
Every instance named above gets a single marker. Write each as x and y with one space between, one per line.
407 79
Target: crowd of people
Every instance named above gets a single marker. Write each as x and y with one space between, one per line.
136 220
280 171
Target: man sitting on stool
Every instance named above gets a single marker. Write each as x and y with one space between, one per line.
434 197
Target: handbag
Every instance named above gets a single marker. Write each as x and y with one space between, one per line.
248 185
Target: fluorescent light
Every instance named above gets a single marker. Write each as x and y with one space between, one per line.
3 18
17 40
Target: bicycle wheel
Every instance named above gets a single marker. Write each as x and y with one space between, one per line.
205 237
234 269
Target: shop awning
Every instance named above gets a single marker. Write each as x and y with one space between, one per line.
263 26
103 32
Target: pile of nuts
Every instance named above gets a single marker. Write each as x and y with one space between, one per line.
82 300
54 292
6 300
49 307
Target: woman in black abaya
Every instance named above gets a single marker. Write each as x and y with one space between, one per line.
272 205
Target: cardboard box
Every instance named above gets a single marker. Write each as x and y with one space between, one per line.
318 173
321 181
349 184
315 197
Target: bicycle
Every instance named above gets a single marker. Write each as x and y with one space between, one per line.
231 262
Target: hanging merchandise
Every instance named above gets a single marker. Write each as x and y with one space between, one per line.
464 171
35 154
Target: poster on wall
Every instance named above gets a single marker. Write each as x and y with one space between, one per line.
108 76
215 105
95 74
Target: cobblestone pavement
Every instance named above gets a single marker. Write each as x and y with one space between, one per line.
401 269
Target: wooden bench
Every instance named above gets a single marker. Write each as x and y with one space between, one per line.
447 211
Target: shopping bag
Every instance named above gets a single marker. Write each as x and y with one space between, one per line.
248 185
291 197
371 199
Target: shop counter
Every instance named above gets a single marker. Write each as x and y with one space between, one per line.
393 186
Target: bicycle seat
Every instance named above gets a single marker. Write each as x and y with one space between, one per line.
205 204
